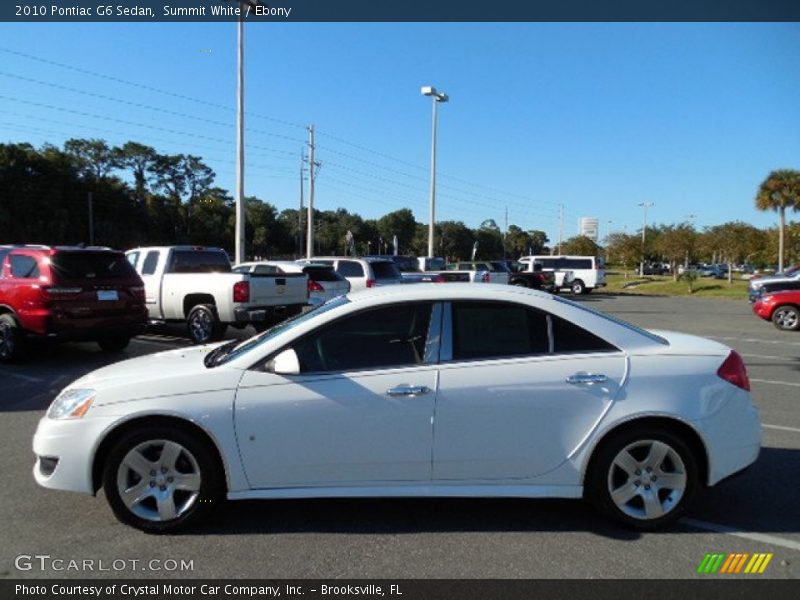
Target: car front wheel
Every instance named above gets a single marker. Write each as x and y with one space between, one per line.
161 479
786 318
644 478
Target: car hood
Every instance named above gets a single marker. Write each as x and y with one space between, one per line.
175 372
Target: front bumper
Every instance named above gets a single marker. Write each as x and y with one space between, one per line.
71 444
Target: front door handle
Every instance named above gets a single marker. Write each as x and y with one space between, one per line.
408 390
579 378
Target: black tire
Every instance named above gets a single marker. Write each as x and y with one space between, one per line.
12 339
603 474
577 287
114 344
190 507
786 318
203 324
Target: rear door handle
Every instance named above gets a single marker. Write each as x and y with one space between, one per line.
408 390
579 378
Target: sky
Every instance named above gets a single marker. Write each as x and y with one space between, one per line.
598 117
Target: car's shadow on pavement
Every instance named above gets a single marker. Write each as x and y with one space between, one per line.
763 499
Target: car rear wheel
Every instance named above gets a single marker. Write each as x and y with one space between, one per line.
786 318
114 344
203 325
161 479
578 287
11 339
644 478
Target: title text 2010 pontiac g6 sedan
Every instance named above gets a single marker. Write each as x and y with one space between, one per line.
426 390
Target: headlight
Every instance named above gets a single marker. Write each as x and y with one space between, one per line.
71 404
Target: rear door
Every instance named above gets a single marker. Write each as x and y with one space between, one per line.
515 401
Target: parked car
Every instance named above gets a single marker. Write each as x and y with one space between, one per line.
585 273
529 395
362 273
782 308
770 287
196 285
66 293
498 272
323 282
530 275
431 263
791 275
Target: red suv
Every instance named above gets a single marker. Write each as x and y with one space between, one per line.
68 293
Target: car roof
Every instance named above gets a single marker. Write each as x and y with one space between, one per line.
445 291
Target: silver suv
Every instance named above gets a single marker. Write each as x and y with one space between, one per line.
362 273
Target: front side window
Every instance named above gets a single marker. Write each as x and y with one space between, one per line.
496 330
390 336
24 267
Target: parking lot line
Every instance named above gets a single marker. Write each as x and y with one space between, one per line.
21 377
750 535
775 382
768 357
756 340
780 427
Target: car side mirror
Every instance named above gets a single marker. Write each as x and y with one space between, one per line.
286 363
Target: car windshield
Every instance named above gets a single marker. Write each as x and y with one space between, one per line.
234 349
385 270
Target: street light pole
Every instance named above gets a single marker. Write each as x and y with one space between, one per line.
240 215
437 97
645 206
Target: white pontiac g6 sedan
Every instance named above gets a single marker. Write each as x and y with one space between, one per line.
424 390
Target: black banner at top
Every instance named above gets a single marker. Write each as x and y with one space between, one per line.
154 11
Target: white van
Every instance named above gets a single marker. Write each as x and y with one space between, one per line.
588 272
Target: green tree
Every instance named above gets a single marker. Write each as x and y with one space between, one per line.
734 241
140 159
580 245
676 244
779 191
400 223
93 158
623 248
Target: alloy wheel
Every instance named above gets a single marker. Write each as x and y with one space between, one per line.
201 324
647 479
786 318
159 480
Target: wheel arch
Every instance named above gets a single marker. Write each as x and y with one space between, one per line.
675 426
195 299
113 435
5 309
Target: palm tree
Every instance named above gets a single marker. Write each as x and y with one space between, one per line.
779 191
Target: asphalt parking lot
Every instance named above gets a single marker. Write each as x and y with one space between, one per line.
411 538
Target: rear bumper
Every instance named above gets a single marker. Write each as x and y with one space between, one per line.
257 314
60 327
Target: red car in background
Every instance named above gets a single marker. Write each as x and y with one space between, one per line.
782 308
68 293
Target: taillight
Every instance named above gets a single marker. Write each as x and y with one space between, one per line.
241 291
137 291
485 278
313 286
439 279
733 371
370 283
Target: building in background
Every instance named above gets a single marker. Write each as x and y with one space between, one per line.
589 227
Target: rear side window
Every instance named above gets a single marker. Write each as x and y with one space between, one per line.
150 263
547 263
568 337
133 258
24 267
322 274
199 261
497 330
576 263
385 270
3 253
348 268
72 266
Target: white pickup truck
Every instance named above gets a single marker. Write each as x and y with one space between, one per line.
196 285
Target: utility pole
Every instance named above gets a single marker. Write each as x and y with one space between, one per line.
560 226
300 212
240 213
91 221
311 177
691 219
645 206
505 235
